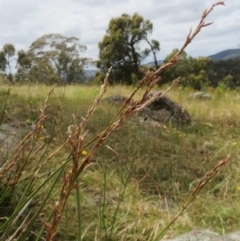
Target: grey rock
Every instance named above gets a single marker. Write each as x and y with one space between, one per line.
149 122
11 134
115 98
166 109
156 115
200 95
233 236
10 137
207 235
162 109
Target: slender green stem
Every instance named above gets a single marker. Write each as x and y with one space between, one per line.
16 211
79 214
5 104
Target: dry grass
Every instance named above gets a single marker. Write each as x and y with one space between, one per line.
165 164
75 177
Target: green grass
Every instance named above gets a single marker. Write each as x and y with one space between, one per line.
140 178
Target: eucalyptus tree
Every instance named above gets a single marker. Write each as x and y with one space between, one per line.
56 57
125 45
24 63
6 60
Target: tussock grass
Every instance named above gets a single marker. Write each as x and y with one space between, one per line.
88 171
148 177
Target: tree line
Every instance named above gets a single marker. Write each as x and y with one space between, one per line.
202 72
54 58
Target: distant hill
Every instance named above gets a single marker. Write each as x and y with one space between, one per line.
223 55
226 54
152 63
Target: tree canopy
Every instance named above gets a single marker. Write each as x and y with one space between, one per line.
6 55
191 70
125 45
52 58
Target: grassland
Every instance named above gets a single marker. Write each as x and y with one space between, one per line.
138 180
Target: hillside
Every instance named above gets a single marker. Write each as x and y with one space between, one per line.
226 54
223 55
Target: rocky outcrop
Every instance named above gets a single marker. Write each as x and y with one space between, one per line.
161 110
165 109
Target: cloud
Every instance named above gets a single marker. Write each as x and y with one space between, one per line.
24 21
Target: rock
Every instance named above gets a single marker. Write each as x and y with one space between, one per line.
115 98
233 236
147 121
207 148
156 115
165 109
200 95
161 110
10 137
207 235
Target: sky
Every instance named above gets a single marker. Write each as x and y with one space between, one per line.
22 22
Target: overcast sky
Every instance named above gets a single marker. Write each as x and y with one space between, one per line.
23 21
